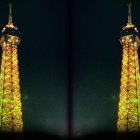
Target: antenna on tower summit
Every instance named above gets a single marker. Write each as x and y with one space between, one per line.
10 13
129 14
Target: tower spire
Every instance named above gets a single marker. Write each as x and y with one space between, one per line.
129 14
10 22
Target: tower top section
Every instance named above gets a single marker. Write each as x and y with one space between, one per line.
130 28
10 28
129 33
10 18
129 22
10 33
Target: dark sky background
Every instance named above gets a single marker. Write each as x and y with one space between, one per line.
94 27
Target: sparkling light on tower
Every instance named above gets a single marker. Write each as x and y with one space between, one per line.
129 98
10 98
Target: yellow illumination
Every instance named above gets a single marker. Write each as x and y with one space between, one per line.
128 116
129 97
11 117
4 44
135 43
10 97
127 38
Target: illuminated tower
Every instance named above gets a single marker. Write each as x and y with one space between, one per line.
10 98
129 98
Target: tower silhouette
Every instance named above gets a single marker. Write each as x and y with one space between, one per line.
10 98
129 98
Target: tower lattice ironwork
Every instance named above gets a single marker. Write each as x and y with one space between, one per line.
10 98
129 98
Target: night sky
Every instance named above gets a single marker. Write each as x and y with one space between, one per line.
89 29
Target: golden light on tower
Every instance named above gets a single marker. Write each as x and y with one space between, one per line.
10 98
129 98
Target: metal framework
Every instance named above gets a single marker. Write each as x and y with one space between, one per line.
129 98
10 98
